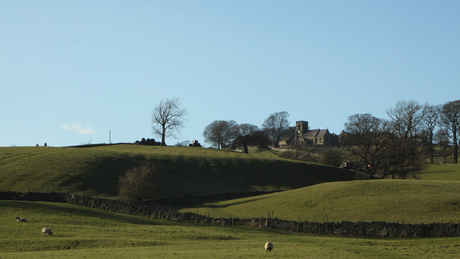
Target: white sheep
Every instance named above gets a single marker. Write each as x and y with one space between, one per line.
47 231
268 247
18 219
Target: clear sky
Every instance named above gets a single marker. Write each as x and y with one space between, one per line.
71 71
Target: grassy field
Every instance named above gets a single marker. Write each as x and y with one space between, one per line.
315 193
95 170
80 232
403 201
445 172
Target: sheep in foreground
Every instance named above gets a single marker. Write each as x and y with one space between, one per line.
18 219
47 231
268 247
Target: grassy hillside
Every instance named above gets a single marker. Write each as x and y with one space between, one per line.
403 201
81 232
95 170
447 172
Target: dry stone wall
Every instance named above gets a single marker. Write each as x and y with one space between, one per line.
158 211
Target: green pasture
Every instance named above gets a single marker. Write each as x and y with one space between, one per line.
80 232
313 192
447 172
95 171
403 201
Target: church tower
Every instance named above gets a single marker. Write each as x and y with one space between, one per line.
301 127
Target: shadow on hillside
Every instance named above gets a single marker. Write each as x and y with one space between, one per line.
202 175
102 175
74 210
216 206
184 174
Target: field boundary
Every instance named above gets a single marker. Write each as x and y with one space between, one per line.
159 211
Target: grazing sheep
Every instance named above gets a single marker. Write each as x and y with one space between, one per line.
268 247
47 231
18 219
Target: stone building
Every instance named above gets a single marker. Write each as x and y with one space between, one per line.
302 135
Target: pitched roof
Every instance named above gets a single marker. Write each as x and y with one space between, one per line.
310 134
321 133
315 133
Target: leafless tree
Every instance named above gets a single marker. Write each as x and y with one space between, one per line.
219 133
430 121
405 119
442 138
167 119
277 125
243 134
451 117
388 147
407 152
369 143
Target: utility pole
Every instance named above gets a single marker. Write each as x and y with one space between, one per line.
110 136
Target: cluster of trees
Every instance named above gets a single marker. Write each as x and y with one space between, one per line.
221 133
168 119
398 146
401 144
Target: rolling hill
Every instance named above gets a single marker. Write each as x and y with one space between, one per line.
403 201
185 170
314 192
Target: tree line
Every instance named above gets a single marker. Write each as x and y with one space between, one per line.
222 134
402 144
168 119
395 145
398 146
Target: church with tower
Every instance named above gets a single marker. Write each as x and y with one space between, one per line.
302 135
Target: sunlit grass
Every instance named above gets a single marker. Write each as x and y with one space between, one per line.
81 232
447 172
403 201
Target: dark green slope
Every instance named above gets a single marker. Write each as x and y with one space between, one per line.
185 170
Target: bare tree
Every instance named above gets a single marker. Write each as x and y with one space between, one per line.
243 134
388 147
369 143
451 118
277 125
430 121
405 119
442 138
406 156
219 133
167 119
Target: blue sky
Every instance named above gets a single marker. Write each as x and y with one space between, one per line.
71 71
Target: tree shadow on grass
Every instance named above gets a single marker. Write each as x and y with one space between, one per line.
100 177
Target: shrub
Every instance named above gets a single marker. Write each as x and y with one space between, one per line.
332 157
139 183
